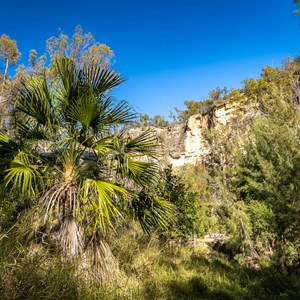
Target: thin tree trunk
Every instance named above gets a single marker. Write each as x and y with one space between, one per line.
4 79
6 69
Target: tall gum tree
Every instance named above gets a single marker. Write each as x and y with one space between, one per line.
8 52
82 48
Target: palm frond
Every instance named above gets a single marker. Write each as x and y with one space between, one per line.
103 145
110 113
36 101
102 197
84 110
146 143
121 113
98 116
142 173
7 146
68 88
152 212
31 130
22 174
101 80
82 95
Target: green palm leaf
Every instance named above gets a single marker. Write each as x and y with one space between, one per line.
36 101
142 173
104 145
101 197
8 149
82 96
111 114
69 87
84 110
152 212
32 130
100 79
7 146
22 174
146 143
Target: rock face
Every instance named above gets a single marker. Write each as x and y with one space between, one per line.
187 143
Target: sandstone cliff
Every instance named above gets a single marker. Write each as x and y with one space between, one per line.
187 142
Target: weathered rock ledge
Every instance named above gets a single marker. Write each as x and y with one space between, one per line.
186 143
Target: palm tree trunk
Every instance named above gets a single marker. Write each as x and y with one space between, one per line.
70 237
100 263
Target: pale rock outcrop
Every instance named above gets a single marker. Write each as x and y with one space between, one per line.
186 143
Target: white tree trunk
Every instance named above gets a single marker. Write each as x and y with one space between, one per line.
6 69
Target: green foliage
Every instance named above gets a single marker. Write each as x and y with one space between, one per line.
8 52
157 120
257 168
263 225
152 211
172 188
268 174
150 271
199 107
10 55
198 183
187 189
81 48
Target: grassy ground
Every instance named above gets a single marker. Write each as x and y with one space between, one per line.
173 272
149 270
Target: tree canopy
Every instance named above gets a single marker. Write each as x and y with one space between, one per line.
8 52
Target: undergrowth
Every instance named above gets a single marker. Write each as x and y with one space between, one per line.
149 269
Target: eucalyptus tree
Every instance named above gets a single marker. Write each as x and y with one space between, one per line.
81 47
74 158
10 55
8 52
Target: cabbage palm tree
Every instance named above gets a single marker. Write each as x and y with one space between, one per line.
74 156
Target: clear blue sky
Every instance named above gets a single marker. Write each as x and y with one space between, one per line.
169 50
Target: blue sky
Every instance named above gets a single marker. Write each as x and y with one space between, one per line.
169 50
